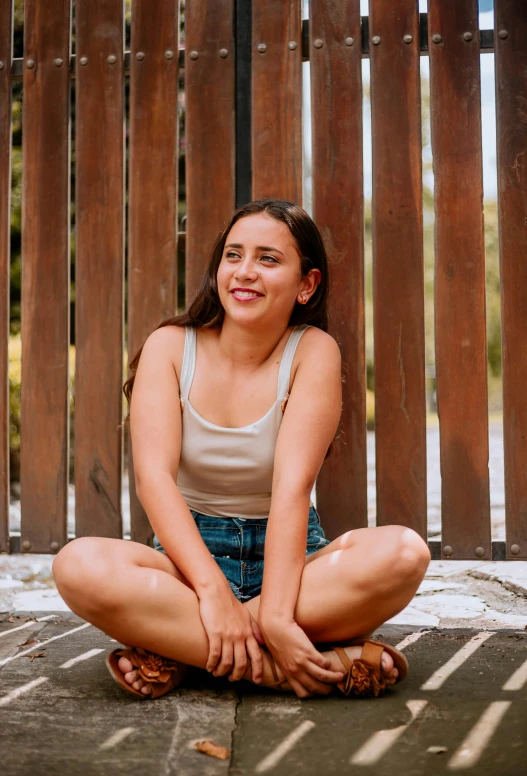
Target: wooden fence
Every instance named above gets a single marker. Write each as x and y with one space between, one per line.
242 74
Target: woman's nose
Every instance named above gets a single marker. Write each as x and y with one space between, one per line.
246 269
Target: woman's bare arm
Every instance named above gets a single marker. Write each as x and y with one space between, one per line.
308 426
155 418
155 424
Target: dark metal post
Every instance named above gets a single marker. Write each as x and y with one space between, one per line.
243 30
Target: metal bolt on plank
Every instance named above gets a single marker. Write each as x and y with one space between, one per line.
169 54
408 38
515 549
436 38
467 36
223 52
292 45
376 40
112 59
193 55
58 61
349 41
503 34
83 61
30 64
262 48
140 55
318 43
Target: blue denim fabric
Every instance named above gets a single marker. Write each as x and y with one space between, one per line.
237 546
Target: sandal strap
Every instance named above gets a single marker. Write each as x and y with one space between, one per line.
359 679
273 668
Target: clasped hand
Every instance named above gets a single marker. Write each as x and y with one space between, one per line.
306 669
235 639
233 636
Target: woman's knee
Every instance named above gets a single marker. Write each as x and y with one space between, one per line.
410 555
80 570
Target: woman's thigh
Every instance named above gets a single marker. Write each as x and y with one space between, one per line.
358 581
91 562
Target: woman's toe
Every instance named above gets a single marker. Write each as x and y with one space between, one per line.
387 663
147 689
130 677
125 666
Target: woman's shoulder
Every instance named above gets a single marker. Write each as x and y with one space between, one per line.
170 340
316 347
315 339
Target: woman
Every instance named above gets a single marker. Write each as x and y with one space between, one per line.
234 407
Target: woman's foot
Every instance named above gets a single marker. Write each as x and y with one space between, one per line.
131 676
268 678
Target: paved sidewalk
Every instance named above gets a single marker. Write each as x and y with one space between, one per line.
462 707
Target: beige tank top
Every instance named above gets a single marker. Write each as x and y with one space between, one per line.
228 472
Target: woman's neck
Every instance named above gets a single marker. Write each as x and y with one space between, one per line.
244 346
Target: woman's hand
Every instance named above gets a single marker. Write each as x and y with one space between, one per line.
233 636
306 669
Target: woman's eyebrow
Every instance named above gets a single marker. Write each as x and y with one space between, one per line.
260 247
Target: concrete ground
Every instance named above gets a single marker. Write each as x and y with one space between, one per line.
463 706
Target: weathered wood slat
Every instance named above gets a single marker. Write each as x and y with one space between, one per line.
45 276
209 128
153 187
99 266
460 336
336 97
400 409
277 100
6 56
511 87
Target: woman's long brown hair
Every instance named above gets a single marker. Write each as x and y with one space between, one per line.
206 309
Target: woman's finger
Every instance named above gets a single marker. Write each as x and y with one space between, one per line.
255 656
312 685
318 658
214 653
299 688
226 661
322 675
240 662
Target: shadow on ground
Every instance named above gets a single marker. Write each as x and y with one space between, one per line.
463 707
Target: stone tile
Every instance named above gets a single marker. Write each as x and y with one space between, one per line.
511 574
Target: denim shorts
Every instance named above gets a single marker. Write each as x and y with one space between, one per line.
237 546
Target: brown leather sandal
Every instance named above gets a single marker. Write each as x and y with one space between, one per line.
162 673
364 675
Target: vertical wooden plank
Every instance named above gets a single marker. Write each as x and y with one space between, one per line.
45 276
277 100
336 97
153 188
99 266
510 41
209 128
397 218
6 56
460 336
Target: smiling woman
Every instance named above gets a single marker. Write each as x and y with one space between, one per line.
233 407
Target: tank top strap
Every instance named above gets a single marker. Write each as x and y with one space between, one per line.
284 374
189 361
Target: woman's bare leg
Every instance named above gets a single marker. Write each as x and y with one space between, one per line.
138 596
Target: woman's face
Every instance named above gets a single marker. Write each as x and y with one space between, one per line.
259 276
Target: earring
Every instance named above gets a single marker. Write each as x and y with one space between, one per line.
304 300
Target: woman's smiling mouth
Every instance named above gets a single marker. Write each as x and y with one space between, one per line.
245 294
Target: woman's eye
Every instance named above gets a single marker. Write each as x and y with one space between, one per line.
232 255
269 257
